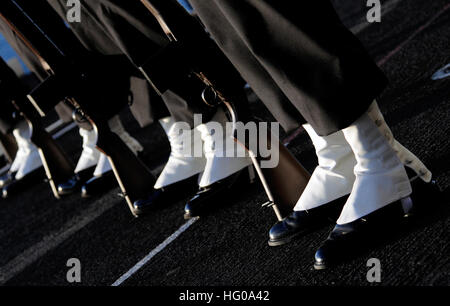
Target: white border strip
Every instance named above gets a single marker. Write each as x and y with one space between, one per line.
55 125
154 252
4 169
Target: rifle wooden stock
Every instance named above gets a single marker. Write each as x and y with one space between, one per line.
287 180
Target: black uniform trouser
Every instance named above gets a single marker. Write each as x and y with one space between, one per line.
299 48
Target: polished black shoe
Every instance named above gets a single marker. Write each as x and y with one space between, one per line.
342 241
16 186
302 222
7 178
165 196
99 184
69 187
153 201
210 197
348 240
351 239
297 223
75 183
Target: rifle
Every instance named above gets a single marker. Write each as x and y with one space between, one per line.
283 184
57 165
89 82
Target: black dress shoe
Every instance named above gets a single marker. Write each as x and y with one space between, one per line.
341 243
164 196
16 186
351 239
297 223
75 182
347 240
211 196
99 184
302 222
7 178
70 186
153 201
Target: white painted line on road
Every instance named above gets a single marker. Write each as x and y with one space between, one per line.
55 125
442 73
4 169
154 252
52 240
65 130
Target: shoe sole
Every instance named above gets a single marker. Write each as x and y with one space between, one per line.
65 193
139 213
274 243
189 216
231 181
319 267
278 243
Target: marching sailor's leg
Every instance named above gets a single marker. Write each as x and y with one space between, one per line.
88 160
27 164
90 155
182 164
225 161
330 183
381 179
103 177
186 162
31 160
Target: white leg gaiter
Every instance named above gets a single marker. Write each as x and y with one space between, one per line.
90 155
333 177
183 162
28 158
221 151
381 177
